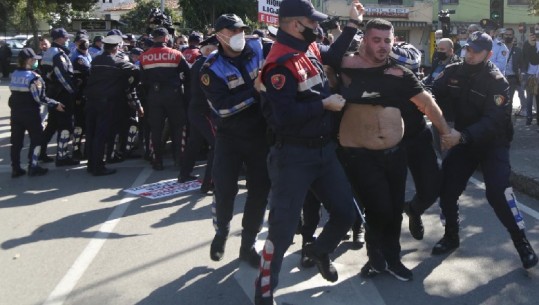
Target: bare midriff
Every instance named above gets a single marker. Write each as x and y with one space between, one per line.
371 126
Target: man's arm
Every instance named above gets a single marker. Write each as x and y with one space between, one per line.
426 104
61 69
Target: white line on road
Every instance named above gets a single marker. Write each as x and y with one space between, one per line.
524 208
75 272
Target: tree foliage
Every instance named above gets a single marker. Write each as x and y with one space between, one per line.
534 7
136 18
200 14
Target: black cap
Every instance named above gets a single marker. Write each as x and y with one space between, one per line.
130 37
488 24
28 53
229 21
300 8
210 40
259 33
60 33
116 32
479 42
195 37
82 36
136 51
98 38
159 32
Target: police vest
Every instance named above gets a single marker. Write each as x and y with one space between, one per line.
309 80
160 65
47 63
21 96
191 54
229 74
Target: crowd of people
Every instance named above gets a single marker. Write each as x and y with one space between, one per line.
310 121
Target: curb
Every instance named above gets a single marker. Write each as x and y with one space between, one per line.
525 184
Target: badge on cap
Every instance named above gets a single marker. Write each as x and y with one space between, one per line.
278 81
475 36
499 100
205 79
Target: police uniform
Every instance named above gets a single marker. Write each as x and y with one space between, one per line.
58 69
162 71
202 130
110 79
94 50
81 69
500 53
228 83
27 94
483 117
303 155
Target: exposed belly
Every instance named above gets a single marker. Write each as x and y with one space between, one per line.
372 127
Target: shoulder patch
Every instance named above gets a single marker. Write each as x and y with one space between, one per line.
277 81
504 53
81 61
205 79
499 100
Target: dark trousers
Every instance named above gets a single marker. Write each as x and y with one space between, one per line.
201 131
379 179
294 169
58 121
166 103
458 167
4 65
21 121
230 154
99 118
311 216
426 173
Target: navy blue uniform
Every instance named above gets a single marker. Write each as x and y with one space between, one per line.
483 115
228 84
303 156
81 69
58 71
108 84
202 127
27 94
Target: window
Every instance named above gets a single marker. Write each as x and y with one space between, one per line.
390 2
518 2
450 1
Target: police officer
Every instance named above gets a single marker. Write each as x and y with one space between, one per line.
202 126
479 94
81 60
192 52
299 108
58 69
500 52
164 71
227 79
514 65
27 94
110 79
97 46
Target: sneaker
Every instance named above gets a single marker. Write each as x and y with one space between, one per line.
322 261
526 253
447 244
400 271
250 256
37 171
45 159
182 179
415 224
217 248
67 162
17 172
367 271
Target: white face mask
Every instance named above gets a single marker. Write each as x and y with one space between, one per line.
182 46
237 42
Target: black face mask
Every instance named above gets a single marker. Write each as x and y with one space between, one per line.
508 40
472 69
84 46
441 55
309 34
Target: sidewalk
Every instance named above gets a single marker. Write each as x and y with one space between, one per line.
525 157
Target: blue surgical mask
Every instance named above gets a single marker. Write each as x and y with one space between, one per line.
34 66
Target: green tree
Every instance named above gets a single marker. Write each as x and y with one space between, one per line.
200 14
534 7
136 18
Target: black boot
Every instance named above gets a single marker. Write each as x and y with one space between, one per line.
305 261
448 243
322 261
415 224
217 248
525 250
250 256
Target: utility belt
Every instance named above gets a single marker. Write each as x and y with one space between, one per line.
319 142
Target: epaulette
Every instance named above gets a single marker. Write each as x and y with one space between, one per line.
211 59
496 74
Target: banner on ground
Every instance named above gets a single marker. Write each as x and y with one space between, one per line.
163 189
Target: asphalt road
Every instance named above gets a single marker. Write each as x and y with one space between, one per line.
69 238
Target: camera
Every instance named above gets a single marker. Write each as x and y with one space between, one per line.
156 19
445 22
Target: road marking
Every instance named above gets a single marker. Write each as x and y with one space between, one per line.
76 271
524 208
